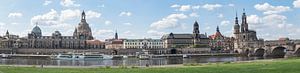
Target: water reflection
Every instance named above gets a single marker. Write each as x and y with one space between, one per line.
125 62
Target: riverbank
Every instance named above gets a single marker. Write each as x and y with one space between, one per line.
291 65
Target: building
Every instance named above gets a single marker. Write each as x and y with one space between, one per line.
185 40
114 43
220 43
244 37
82 39
143 43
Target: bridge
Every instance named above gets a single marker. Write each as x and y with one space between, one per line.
272 50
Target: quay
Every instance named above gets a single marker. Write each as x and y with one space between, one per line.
128 56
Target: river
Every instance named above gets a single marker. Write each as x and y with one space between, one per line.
124 62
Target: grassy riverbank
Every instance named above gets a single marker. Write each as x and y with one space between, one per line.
291 65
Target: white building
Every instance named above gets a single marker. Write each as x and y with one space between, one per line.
142 43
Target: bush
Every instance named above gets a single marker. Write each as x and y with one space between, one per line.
107 67
228 62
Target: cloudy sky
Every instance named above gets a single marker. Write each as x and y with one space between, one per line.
150 18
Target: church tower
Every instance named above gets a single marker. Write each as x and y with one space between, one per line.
236 26
196 33
244 21
83 31
116 35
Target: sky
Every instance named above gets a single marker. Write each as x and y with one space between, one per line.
271 19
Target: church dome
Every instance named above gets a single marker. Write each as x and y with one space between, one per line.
36 30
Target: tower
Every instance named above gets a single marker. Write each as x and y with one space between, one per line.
7 33
196 32
244 21
83 31
83 16
116 35
236 26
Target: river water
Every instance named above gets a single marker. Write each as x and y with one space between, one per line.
124 62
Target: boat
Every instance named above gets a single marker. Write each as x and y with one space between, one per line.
144 57
5 55
82 56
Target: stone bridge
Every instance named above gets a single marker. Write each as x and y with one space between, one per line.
272 51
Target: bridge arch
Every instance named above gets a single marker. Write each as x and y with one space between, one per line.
173 51
278 52
259 52
297 52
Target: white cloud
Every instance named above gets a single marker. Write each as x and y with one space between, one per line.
194 14
156 33
184 7
211 6
69 14
69 3
207 28
129 33
92 14
15 15
275 20
253 19
125 13
296 3
269 9
47 2
50 18
196 7
175 6
107 22
221 16
170 21
127 24
225 23
103 34
54 17
231 5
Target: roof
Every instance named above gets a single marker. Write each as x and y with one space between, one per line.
117 42
93 42
181 36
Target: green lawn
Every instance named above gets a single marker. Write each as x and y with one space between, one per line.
263 66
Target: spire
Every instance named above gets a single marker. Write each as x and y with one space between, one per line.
244 21
116 35
7 33
196 28
236 18
83 15
218 29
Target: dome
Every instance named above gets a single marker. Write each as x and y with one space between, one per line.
37 31
56 33
236 26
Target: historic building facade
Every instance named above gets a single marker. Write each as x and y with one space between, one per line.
220 43
143 43
244 37
114 43
82 39
186 40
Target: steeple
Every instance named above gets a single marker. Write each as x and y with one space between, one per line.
196 28
7 33
116 35
75 32
236 19
244 21
83 16
218 29
236 26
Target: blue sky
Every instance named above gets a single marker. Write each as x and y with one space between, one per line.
271 19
